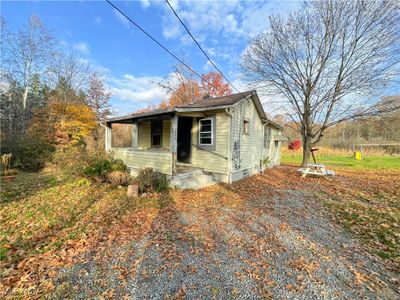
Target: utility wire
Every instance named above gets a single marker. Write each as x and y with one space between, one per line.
198 45
159 44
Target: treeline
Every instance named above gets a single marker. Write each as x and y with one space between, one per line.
378 129
50 99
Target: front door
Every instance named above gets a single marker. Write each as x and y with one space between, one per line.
184 139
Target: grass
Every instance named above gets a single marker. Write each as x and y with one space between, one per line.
371 162
40 213
366 200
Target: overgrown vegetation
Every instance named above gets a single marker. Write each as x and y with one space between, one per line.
150 181
5 166
100 167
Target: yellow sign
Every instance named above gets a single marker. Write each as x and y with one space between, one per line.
357 155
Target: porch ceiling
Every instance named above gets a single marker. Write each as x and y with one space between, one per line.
161 114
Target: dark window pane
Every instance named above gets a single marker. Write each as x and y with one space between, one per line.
205 122
156 133
205 141
205 128
156 127
205 134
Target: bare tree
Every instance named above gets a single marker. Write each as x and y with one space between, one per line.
330 60
97 97
180 86
71 69
26 53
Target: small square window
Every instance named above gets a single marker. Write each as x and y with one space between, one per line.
246 129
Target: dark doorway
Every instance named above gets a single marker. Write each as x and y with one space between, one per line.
184 139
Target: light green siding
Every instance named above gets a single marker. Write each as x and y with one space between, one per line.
217 160
251 144
144 135
160 161
166 134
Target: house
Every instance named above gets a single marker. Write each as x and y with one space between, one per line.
219 139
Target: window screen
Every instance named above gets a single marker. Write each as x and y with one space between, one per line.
206 131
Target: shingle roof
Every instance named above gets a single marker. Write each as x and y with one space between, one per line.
202 104
218 101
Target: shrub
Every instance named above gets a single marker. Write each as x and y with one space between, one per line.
71 160
294 145
29 154
99 168
150 181
118 178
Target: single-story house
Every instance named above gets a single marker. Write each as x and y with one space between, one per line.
220 139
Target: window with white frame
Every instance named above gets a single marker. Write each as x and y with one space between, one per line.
206 132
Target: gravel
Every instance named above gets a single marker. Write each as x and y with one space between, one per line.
283 247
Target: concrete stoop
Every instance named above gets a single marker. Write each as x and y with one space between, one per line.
192 179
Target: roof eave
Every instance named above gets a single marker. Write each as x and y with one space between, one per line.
197 109
273 124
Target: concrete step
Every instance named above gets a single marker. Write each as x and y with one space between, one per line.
189 173
195 182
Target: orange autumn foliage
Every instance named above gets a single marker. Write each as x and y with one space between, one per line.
213 84
186 93
64 122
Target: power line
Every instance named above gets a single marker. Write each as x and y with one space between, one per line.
159 44
198 45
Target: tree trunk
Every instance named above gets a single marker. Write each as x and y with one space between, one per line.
306 149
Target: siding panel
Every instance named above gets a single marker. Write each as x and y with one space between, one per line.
160 161
251 147
214 161
144 138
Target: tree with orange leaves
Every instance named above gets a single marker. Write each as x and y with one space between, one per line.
213 85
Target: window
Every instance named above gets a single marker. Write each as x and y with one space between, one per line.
246 129
206 131
156 133
267 134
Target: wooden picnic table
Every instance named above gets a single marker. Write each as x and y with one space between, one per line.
316 169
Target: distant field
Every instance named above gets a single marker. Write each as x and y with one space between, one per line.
371 162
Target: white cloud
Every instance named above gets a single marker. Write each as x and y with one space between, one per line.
98 20
171 30
208 66
145 3
133 92
235 19
120 17
82 47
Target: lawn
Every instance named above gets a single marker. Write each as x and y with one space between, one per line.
271 235
371 162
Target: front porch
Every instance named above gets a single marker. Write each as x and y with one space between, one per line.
163 143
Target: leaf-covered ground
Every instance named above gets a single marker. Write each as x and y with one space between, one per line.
272 235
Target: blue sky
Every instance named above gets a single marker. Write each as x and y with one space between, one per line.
130 61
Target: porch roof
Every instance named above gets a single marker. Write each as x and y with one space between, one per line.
203 105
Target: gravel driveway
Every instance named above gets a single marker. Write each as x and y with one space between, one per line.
271 247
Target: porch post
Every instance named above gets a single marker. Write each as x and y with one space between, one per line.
108 137
134 136
173 141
